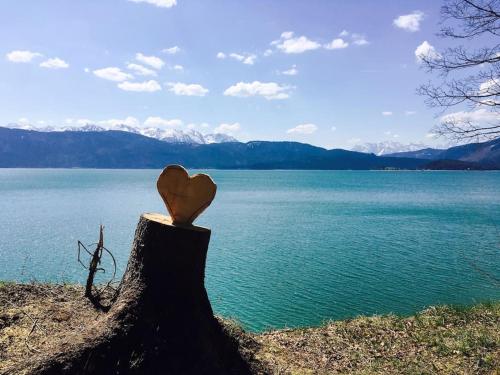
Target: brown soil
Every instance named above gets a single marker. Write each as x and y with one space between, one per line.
35 319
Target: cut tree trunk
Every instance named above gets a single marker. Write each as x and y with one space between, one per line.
162 321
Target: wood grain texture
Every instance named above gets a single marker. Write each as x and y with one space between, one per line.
186 197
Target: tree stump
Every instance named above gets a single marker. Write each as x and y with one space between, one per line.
162 321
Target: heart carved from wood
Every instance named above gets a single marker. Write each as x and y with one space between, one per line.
186 197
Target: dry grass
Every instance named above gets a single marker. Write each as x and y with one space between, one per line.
35 318
444 340
440 340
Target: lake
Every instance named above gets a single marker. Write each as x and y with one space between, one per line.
288 248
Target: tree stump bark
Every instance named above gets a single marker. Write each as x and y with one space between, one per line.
162 321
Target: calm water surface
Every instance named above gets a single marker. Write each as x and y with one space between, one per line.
288 248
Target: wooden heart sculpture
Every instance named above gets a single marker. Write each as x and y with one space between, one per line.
185 197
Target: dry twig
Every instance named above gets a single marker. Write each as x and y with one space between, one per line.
96 257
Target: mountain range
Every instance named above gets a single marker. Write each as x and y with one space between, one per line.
97 148
163 134
486 154
387 147
173 135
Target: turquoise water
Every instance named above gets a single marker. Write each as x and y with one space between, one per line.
288 248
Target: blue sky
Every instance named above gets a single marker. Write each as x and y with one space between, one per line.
329 73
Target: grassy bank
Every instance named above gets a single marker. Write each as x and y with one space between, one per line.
35 319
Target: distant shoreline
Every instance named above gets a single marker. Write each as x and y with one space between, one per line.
250 169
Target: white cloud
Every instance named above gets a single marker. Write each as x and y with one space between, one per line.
55 63
490 87
146 86
227 128
172 50
250 59
353 141
23 121
86 70
237 56
410 113
288 44
152 61
141 70
303 129
158 122
269 90
478 116
158 3
128 121
247 58
221 55
426 50
203 125
337 44
386 113
431 135
113 74
268 52
391 134
293 71
131 121
359 40
22 56
83 121
409 22
333 128
79 122
298 45
487 86
185 89
178 67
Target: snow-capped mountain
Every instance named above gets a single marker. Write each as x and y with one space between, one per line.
388 147
167 135
219 138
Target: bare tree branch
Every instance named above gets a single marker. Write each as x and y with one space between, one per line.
469 77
